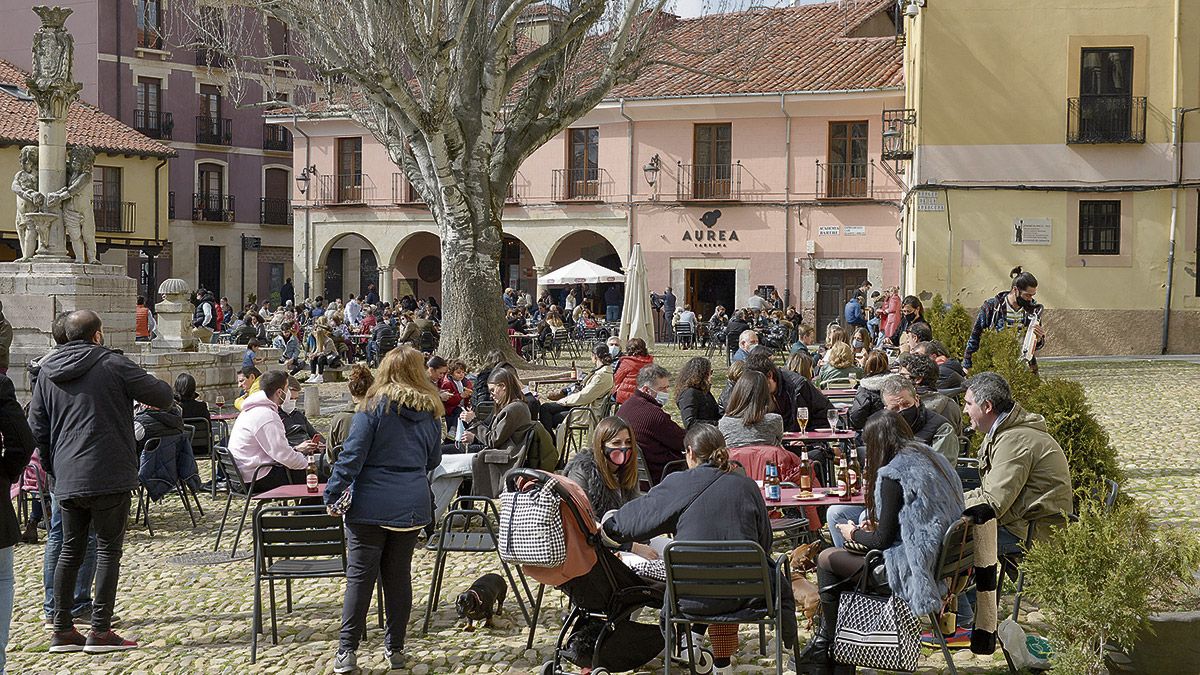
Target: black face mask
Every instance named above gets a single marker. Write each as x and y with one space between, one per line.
1025 303
910 416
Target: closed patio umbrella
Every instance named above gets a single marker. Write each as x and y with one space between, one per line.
637 319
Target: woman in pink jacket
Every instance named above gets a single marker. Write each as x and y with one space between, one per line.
890 311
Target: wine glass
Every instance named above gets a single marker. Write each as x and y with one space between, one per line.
832 417
221 401
802 417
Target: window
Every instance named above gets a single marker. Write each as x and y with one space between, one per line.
211 128
712 151
210 199
349 169
1100 227
846 174
276 206
106 198
583 163
149 117
213 22
281 40
149 24
1105 94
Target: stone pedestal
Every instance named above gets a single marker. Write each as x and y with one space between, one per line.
174 318
36 292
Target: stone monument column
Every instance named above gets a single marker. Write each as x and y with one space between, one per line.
54 90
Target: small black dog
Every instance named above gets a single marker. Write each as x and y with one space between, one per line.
482 600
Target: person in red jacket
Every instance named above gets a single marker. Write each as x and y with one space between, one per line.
455 383
635 358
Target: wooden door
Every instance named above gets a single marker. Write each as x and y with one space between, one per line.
833 291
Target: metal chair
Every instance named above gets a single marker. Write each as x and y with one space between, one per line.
202 443
954 563
456 536
574 431
293 542
142 512
684 335
728 571
236 486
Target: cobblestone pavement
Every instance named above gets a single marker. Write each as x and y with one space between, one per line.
196 619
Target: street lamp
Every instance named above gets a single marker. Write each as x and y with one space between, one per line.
651 170
306 175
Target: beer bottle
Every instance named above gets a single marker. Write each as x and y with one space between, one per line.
311 478
805 473
774 492
856 475
844 478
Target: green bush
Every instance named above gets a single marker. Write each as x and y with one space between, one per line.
952 326
1000 352
1098 580
1070 421
935 311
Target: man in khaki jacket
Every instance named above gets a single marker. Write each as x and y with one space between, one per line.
1024 472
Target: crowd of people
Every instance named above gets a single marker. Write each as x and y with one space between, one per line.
93 410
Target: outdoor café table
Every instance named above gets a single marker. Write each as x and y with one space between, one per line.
533 342
281 493
821 497
839 393
820 436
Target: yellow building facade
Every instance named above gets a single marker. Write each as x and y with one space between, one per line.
129 178
1062 137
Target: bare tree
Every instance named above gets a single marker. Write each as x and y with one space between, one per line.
459 96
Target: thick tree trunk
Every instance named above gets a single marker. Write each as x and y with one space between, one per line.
473 318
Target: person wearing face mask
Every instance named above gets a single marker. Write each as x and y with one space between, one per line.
660 438
259 439
635 359
1014 307
911 311
295 423
607 471
81 416
593 392
900 396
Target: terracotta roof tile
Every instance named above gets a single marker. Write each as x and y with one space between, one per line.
86 125
803 48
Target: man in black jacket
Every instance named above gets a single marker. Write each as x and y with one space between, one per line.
17 443
82 419
790 391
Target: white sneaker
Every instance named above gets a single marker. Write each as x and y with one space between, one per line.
316 380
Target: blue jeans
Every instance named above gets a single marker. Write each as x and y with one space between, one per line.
612 313
6 599
87 571
839 514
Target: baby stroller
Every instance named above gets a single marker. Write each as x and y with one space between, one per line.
599 631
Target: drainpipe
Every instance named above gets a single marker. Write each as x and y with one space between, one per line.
787 203
120 113
152 277
1176 145
632 167
307 208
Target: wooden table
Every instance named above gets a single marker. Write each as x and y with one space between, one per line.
823 497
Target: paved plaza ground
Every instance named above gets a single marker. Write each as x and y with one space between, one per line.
196 619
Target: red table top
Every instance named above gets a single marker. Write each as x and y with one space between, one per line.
290 492
225 416
821 498
839 392
819 435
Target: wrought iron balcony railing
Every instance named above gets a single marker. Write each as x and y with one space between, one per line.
214 130
113 215
213 208
1106 119
701 182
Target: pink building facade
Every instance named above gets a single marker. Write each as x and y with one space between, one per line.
782 188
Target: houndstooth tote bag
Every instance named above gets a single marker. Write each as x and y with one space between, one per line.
877 632
531 527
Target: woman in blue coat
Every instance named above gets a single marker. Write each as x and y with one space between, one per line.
394 442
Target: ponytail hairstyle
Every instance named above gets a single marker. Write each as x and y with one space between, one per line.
1022 281
708 445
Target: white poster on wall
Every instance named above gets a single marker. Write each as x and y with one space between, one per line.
929 200
855 231
829 230
1031 231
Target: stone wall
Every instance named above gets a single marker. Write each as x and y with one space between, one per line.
215 367
1087 332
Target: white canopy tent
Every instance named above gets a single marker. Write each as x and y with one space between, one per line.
581 272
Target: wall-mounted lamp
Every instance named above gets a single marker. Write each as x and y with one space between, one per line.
651 170
306 175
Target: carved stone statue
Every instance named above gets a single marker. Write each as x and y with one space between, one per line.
29 200
78 214
53 56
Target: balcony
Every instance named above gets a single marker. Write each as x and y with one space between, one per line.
581 185
212 208
208 57
113 215
897 130
214 130
846 180
154 123
275 137
1106 119
344 189
403 192
274 211
708 182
